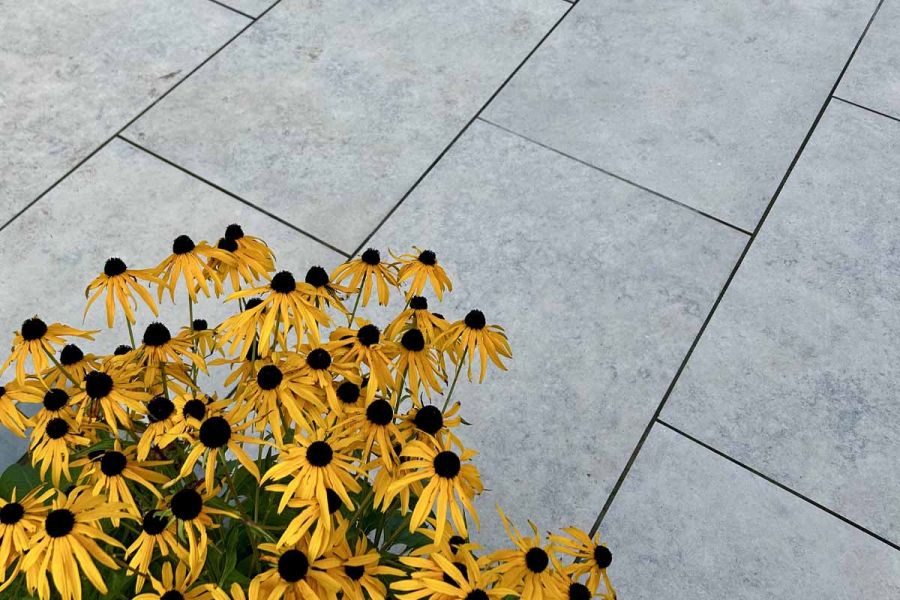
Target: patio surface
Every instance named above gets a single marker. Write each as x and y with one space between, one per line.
685 213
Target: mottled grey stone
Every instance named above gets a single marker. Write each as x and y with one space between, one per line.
873 78
705 101
74 73
254 8
690 524
601 288
122 202
796 374
326 113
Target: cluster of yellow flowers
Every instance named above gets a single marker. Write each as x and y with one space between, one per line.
329 469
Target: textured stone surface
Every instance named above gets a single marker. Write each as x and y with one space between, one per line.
796 374
601 287
74 73
254 8
706 101
327 112
690 524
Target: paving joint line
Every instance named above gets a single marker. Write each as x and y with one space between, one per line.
462 131
871 110
619 177
631 459
103 144
231 194
232 9
784 487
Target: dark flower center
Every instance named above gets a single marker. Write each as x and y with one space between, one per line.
348 392
269 377
354 572
234 232
153 523
194 408
59 522
160 408
371 257
122 349
536 560
368 335
475 320
318 359
114 266
427 257
11 513
200 325
418 303
602 556
215 432
293 566
182 245
98 384
413 340
2 390
57 428
319 454
334 501
446 464
477 595
462 569
156 334
317 277
283 282
95 454
579 591
33 329
226 244
70 355
455 542
429 419
252 303
186 504
438 315
380 412
113 463
55 399
172 595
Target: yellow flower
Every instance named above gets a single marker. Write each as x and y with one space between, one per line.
364 346
295 574
194 517
157 534
323 524
202 338
317 363
417 316
164 426
72 363
429 420
363 272
159 350
529 568
417 364
324 292
440 578
251 259
472 335
19 520
51 446
377 427
422 267
10 415
36 340
178 585
66 546
113 393
360 571
591 557
118 281
187 262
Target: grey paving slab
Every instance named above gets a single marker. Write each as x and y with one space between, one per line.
688 523
122 202
601 287
796 374
873 78
74 73
254 8
326 113
706 101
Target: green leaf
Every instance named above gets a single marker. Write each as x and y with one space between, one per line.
22 477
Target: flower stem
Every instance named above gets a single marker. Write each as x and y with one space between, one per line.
462 358
362 284
62 368
130 332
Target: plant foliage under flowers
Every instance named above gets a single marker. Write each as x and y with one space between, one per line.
328 464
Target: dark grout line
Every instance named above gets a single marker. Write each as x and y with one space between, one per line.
619 177
232 195
461 132
790 169
232 9
780 485
129 123
871 110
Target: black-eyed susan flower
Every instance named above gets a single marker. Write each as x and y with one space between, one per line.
366 271
73 363
529 567
177 585
160 351
37 340
318 363
421 268
429 420
158 536
441 578
360 570
202 338
120 284
247 263
54 402
295 574
417 316
194 516
591 557
474 336
52 444
66 547
378 430
324 292
163 427
364 346
452 483
10 415
114 394
311 518
19 520
417 364
188 262
252 246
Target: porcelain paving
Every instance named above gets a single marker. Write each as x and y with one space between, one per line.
601 288
688 523
326 113
796 374
122 202
74 73
253 8
873 78
705 101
